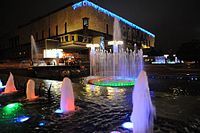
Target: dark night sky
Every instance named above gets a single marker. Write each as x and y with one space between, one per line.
172 21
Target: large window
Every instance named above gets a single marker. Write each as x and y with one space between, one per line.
49 32
65 27
72 37
66 38
36 36
42 34
85 22
107 29
56 30
80 38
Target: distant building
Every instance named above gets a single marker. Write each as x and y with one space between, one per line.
71 28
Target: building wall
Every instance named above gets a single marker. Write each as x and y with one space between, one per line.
73 19
98 21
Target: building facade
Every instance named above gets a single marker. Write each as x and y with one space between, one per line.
71 28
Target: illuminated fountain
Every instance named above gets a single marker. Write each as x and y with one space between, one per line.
143 111
10 85
30 90
67 97
34 50
118 67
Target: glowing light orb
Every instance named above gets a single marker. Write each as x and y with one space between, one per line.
22 119
127 125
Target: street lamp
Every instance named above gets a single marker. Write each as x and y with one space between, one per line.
92 47
115 45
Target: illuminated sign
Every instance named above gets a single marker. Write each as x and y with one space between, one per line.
100 9
53 53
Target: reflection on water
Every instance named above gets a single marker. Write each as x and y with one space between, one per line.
102 109
110 92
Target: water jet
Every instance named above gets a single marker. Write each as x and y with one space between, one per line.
67 97
143 111
30 90
10 85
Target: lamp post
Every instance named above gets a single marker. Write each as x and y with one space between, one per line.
92 47
115 45
92 57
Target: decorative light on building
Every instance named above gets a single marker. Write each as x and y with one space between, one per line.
100 9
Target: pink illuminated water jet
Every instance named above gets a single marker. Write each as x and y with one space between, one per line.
143 112
10 85
67 97
30 90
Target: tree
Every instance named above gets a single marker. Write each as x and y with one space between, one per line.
189 51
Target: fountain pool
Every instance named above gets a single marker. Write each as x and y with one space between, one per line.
102 109
112 81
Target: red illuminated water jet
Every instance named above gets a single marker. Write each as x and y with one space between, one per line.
10 85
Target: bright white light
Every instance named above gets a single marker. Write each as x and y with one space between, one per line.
58 111
92 45
127 125
53 53
115 43
145 56
166 55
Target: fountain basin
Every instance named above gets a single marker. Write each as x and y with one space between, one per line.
112 81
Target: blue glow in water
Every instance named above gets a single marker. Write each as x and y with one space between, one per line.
21 119
100 9
42 123
59 111
127 125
